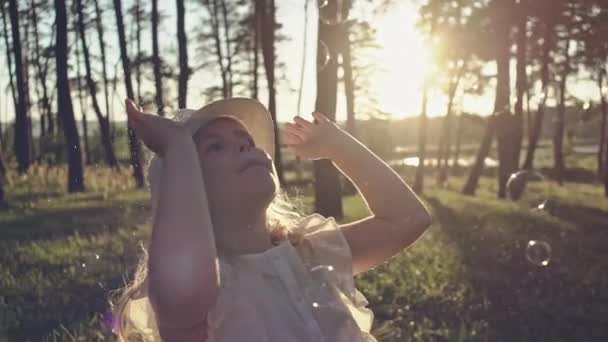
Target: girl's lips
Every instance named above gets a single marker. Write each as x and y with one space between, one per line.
253 162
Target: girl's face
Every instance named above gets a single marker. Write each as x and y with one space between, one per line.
237 174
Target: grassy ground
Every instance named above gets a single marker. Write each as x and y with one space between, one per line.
466 279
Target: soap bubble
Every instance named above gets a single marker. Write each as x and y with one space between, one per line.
538 252
322 3
331 12
323 56
320 291
529 188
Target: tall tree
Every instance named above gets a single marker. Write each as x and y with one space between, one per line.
9 59
64 101
422 130
104 123
102 50
429 14
134 142
328 199
267 11
80 92
565 70
545 46
21 140
42 73
156 61
507 121
347 68
496 45
184 70
521 82
221 43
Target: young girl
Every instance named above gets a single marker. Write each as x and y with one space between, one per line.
229 259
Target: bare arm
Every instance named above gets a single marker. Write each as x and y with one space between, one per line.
183 267
399 217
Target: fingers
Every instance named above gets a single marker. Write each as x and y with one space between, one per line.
290 138
302 122
297 131
134 112
320 117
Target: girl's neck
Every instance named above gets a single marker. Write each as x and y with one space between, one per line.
236 235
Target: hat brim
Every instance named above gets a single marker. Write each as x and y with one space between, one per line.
254 115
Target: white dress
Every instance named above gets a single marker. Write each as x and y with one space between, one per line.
304 293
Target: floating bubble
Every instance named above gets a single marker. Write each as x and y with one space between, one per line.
322 3
528 187
331 13
538 252
323 56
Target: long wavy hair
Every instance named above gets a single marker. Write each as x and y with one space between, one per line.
283 214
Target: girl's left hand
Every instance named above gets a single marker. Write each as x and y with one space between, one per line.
312 140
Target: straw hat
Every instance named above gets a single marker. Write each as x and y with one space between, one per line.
254 116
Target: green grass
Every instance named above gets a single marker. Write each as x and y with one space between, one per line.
466 279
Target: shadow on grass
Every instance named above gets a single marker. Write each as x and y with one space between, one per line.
58 222
565 301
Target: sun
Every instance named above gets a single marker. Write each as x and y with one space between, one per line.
403 60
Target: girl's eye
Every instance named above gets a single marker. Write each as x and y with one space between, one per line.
214 147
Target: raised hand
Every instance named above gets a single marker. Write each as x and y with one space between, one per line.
312 140
155 131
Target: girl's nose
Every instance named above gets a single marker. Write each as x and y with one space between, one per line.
244 147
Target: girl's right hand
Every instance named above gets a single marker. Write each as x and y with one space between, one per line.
155 131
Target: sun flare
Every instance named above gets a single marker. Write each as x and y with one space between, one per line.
403 59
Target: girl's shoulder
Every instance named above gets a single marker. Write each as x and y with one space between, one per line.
322 243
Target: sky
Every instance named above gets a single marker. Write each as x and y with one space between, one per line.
402 60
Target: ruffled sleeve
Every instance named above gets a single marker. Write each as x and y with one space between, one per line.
324 245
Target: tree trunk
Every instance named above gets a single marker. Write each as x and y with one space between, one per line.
104 126
328 197
558 134
349 86
158 77
600 153
28 99
9 60
102 45
447 127
521 83
228 49
303 65
134 143
184 72
21 140
484 149
606 168
506 134
419 179
267 10
83 113
64 101
215 23
42 78
138 44
535 130
455 159
501 110
2 176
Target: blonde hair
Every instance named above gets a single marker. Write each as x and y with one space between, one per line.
282 216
